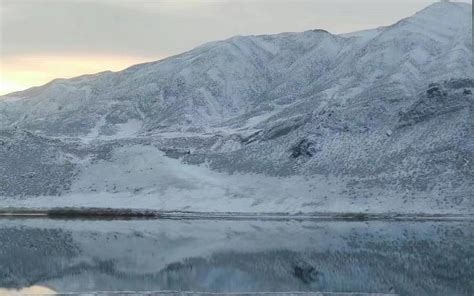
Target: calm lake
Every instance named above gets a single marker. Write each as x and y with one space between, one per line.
408 258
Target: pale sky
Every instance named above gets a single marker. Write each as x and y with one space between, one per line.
45 39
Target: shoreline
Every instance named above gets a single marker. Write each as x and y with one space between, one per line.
129 214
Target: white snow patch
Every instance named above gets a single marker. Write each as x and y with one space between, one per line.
94 132
128 129
141 177
123 130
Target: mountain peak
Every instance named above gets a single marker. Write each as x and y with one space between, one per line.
439 20
444 8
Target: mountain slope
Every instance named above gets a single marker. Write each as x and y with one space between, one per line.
357 121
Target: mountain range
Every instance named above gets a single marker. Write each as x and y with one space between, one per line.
371 121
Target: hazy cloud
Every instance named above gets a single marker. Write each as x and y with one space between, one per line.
44 39
160 28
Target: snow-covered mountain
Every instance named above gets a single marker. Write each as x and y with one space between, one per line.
378 120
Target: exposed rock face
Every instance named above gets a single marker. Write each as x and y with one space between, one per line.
303 148
387 112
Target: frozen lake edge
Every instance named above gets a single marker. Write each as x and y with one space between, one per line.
114 213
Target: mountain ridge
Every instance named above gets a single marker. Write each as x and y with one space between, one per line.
430 7
377 122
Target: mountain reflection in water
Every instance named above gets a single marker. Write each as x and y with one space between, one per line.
410 258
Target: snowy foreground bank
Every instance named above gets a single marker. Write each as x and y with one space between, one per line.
142 178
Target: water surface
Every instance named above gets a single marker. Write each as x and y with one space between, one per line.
410 258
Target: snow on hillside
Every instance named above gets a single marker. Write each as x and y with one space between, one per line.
378 120
141 178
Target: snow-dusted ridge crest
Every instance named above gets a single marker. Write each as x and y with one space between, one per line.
374 121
